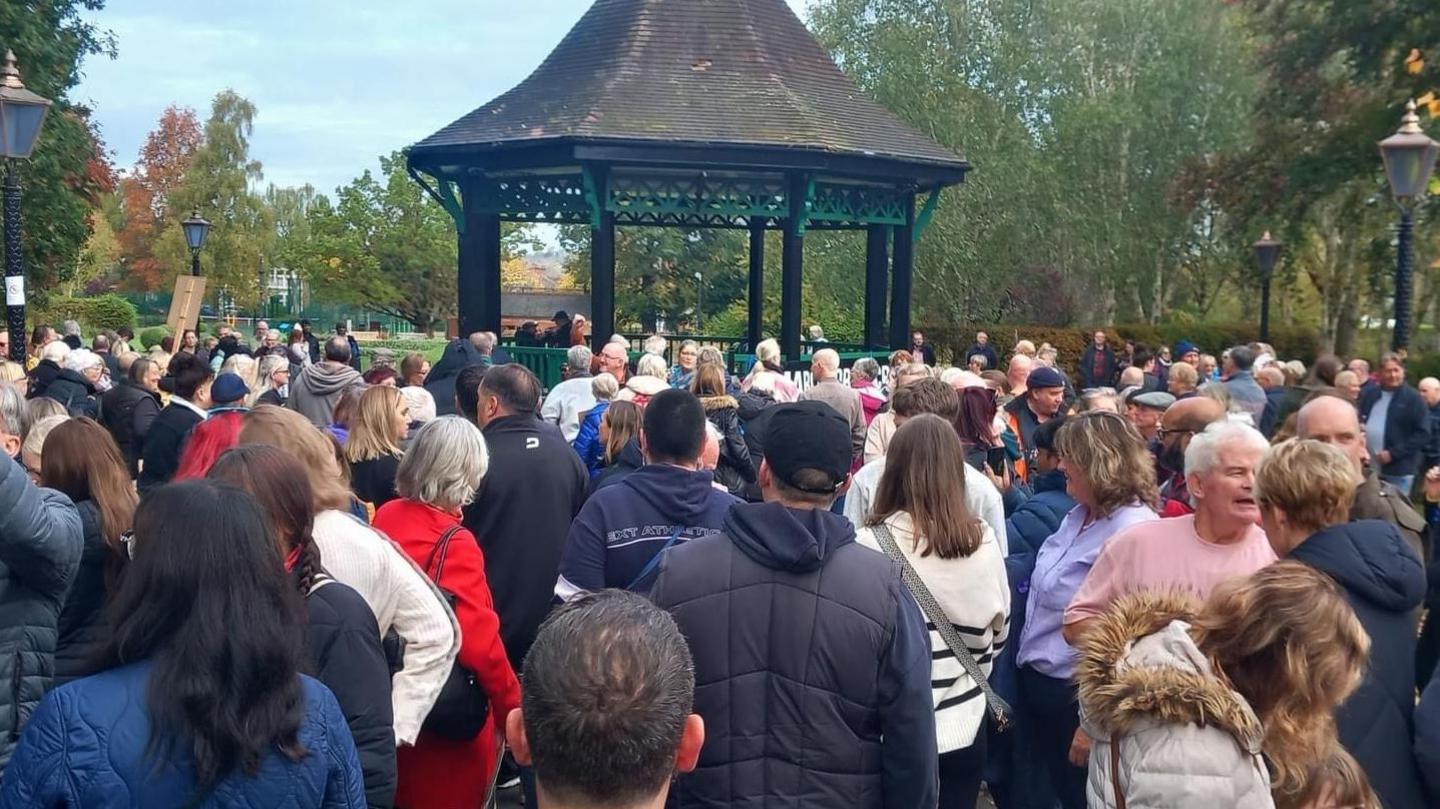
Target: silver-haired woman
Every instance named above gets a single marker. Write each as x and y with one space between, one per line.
438 476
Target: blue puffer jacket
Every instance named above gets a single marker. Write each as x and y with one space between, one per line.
587 442
1037 518
85 749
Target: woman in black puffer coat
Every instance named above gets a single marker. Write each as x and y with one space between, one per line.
735 468
82 461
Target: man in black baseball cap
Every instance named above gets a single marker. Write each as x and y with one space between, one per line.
1044 398
783 601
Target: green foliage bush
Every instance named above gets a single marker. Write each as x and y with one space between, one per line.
152 336
94 314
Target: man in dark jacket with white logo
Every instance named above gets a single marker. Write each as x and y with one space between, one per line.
40 546
812 662
1305 491
622 529
525 505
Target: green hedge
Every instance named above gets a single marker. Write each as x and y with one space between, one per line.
94 314
1291 342
152 336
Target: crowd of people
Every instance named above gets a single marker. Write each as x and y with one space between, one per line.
252 574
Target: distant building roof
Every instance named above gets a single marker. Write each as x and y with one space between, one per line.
715 72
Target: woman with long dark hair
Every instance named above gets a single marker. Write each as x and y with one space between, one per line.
83 462
202 702
920 504
342 641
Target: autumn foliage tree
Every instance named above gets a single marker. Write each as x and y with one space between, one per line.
146 194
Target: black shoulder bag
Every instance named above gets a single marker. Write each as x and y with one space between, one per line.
463 706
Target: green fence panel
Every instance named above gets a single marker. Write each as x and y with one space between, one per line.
547 363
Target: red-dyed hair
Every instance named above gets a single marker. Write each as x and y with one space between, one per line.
209 440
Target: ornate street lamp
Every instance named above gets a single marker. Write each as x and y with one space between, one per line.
1266 251
1409 156
196 229
22 113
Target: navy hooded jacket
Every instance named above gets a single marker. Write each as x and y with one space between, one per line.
812 666
624 525
1384 583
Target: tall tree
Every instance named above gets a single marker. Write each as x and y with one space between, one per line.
382 244
218 184
164 159
69 171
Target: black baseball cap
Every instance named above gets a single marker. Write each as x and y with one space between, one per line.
808 435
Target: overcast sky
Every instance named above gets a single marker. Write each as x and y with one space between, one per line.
337 83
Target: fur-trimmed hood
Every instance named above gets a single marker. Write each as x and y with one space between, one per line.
1138 668
713 403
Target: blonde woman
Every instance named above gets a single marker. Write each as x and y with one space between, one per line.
399 594
767 361
620 436
273 387
14 373
380 423
1111 475
1196 709
921 504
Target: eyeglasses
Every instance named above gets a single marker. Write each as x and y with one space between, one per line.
1162 432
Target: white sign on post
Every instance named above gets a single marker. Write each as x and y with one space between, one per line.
15 290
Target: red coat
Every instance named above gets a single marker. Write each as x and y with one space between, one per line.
440 773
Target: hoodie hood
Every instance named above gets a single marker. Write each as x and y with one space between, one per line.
1138 668
646 385
752 403
327 378
681 495
75 378
1370 560
792 540
458 354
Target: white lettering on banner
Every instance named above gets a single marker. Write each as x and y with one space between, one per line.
804 379
15 290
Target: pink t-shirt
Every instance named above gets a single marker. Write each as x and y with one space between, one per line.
1166 556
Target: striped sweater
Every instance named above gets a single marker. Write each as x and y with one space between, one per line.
975 595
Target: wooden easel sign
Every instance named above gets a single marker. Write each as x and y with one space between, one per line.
185 306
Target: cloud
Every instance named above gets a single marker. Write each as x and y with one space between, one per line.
336 83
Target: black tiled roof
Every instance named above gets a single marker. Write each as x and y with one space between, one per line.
731 72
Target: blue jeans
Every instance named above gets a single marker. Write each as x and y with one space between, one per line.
1402 482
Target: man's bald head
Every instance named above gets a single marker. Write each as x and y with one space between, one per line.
1430 389
1192 415
1333 420
1270 377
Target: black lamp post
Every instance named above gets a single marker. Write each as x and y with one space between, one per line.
699 303
196 229
21 115
1266 251
1409 156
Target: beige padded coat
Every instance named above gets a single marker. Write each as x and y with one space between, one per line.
1184 739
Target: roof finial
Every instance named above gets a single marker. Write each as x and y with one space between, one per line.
10 74
1410 124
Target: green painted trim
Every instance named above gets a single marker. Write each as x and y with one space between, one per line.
592 196
451 203
926 214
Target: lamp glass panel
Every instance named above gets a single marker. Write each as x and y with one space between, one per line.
19 128
1405 168
195 232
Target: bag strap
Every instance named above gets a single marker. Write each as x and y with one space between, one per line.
655 560
999 709
1115 771
441 549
